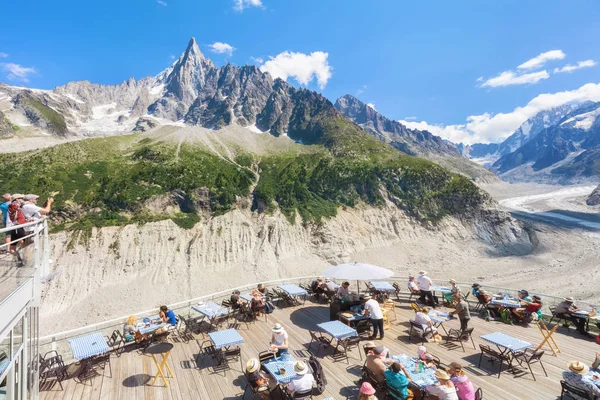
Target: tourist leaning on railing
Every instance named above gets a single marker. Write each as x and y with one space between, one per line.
4 208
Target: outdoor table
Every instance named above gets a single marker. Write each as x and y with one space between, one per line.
225 338
163 349
338 330
442 289
438 318
589 377
350 320
84 348
294 291
423 378
506 344
285 361
506 302
248 296
586 315
154 324
211 311
382 286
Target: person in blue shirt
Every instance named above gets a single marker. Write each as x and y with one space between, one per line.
397 377
168 316
4 207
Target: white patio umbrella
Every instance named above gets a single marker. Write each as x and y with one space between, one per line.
358 272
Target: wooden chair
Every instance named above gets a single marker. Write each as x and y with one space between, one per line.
390 305
415 307
456 335
386 319
492 355
530 356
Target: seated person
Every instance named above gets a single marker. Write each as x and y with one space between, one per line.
575 377
565 309
423 319
530 310
342 291
263 290
475 289
303 382
256 379
596 363
129 328
424 356
376 364
279 340
330 288
454 288
397 377
523 295
444 389
317 287
236 302
167 316
412 286
464 387
257 304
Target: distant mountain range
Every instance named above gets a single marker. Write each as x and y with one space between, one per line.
560 145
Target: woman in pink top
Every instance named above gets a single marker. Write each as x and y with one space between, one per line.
464 387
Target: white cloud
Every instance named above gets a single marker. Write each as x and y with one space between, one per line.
300 66
221 48
240 5
372 106
410 118
508 78
361 90
172 57
579 65
3 55
480 79
486 127
161 2
257 60
17 72
541 59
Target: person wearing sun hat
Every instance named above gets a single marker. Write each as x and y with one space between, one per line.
424 282
567 309
279 339
366 392
304 381
445 389
575 377
256 379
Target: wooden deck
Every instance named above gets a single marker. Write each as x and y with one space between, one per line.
132 371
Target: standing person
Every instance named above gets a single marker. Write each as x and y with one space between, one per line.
4 207
424 282
464 387
279 340
373 310
32 211
567 309
16 217
462 309
342 291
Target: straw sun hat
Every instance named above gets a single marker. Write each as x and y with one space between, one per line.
441 374
300 368
252 365
578 367
277 328
422 272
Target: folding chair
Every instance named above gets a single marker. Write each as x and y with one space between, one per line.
456 335
530 356
421 332
344 345
363 327
306 395
397 290
570 390
116 341
231 354
492 355
558 317
317 337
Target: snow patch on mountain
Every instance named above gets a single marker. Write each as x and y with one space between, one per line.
583 121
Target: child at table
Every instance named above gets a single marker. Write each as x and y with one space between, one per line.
129 328
425 357
464 387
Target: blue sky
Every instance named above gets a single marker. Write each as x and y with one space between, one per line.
410 59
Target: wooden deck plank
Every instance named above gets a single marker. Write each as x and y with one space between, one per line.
193 382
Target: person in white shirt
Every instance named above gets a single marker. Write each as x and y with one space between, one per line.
32 211
445 389
342 291
373 310
279 340
412 286
304 382
425 284
425 321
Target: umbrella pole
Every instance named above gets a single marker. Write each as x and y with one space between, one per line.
357 288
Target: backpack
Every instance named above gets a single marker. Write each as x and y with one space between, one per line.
506 316
16 214
269 307
318 374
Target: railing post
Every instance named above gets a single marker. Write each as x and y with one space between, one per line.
46 252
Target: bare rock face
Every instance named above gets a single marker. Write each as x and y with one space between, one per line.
6 128
594 198
41 115
145 124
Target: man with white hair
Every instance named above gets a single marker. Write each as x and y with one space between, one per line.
424 282
32 211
